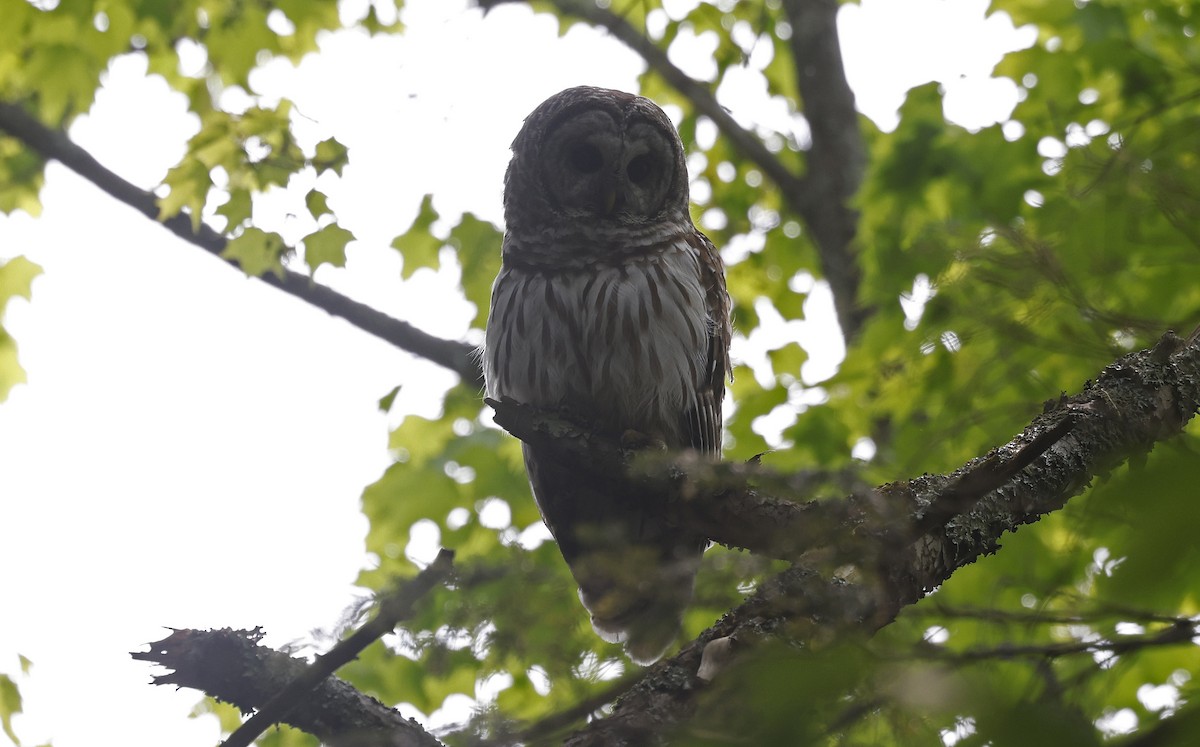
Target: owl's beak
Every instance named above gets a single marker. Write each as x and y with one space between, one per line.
610 199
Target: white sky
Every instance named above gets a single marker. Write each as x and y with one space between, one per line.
191 444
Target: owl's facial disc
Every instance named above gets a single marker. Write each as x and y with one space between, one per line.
595 164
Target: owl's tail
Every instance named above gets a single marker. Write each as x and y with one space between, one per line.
635 572
637 594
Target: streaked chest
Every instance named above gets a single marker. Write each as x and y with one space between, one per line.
624 345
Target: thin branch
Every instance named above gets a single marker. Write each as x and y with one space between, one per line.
745 141
1107 612
1180 631
394 607
56 145
556 722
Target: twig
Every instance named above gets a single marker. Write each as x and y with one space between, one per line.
56 145
396 606
1181 630
556 722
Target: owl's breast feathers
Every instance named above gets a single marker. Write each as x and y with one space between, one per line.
636 341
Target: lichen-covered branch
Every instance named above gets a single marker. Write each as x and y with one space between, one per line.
395 606
1139 400
231 666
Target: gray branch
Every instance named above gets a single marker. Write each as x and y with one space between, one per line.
231 666
837 158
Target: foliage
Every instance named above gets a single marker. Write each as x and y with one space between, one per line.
1052 243
16 276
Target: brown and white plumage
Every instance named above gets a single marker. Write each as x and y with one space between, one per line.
611 306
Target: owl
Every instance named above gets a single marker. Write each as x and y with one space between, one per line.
610 306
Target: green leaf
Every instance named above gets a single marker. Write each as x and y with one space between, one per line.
317 204
188 185
418 245
10 705
257 251
788 359
327 246
477 243
385 402
21 177
16 280
331 156
236 209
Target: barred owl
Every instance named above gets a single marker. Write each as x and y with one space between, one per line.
610 306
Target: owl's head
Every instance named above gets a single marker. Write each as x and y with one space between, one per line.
598 155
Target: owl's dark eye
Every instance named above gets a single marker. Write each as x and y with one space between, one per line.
585 158
640 168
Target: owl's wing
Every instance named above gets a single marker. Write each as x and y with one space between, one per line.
702 424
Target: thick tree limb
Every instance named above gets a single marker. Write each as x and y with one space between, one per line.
748 507
56 145
1137 401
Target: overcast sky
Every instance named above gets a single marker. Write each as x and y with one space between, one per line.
191 445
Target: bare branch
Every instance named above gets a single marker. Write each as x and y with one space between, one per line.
52 144
397 605
1180 630
231 666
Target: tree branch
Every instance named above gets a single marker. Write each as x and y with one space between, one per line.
231 666
1135 402
1143 398
1181 630
56 145
393 607
749 507
837 158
